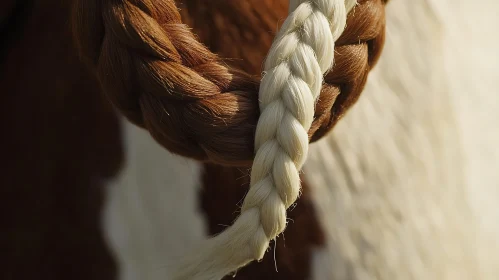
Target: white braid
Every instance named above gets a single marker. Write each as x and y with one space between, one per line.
301 53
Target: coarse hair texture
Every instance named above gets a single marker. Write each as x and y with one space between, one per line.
156 72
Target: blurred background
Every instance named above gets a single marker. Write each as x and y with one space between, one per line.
406 186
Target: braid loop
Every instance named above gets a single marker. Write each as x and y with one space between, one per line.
162 78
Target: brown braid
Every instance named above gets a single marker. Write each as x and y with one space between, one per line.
156 72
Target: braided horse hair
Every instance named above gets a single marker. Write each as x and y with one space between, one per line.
162 78
158 75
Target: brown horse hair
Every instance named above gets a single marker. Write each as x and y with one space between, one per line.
156 72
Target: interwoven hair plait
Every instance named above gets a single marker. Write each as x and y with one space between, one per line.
155 71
